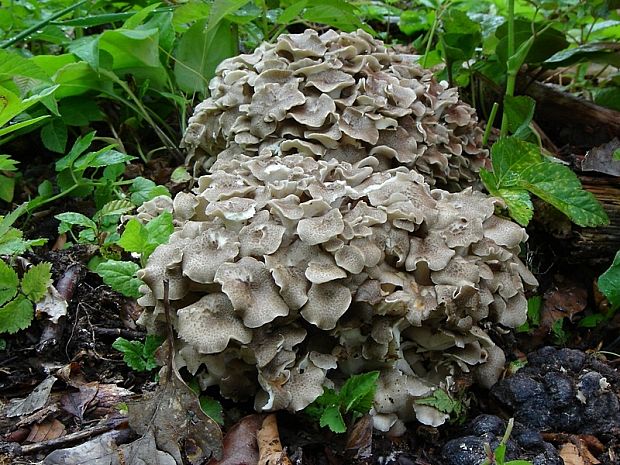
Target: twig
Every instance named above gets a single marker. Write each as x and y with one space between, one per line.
126 333
77 436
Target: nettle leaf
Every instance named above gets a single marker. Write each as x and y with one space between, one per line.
16 315
69 219
132 353
151 344
609 283
36 281
120 276
519 168
9 281
332 418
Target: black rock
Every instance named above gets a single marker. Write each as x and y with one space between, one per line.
487 424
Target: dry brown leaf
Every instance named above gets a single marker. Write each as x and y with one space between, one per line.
45 431
101 450
562 302
172 415
359 439
240 447
269 446
577 455
76 403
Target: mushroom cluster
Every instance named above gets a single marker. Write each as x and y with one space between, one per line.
288 272
337 95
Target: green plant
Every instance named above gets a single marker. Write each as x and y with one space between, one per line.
609 285
354 399
139 356
12 240
17 296
497 455
519 169
455 406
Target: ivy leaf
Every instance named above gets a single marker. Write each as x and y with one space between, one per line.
332 418
358 392
16 315
609 283
36 281
519 168
132 353
120 276
9 282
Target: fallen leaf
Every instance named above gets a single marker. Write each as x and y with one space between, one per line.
562 302
577 454
173 416
270 450
359 439
35 400
45 431
240 445
601 160
76 403
99 451
144 452
52 304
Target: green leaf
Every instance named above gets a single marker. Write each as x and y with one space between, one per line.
592 321
109 157
132 353
140 190
12 64
316 408
332 418
22 124
534 306
115 207
199 51
77 111
8 164
158 232
518 167
79 147
518 462
54 135
69 219
609 283
212 408
9 281
440 400
500 453
121 276
151 344
358 392
7 188
16 315
134 237
12 105
36 281
519 111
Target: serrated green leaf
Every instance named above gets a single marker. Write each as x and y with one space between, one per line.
8 164
518 167
54 135
115 207
134 237
132 353
16 315
332 418
519 204
557 185
36 281
316 408
120 276
609 283
69 219
9 281
212 408
358 392
440 400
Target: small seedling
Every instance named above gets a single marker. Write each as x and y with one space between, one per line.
139 356
354 400
497 456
